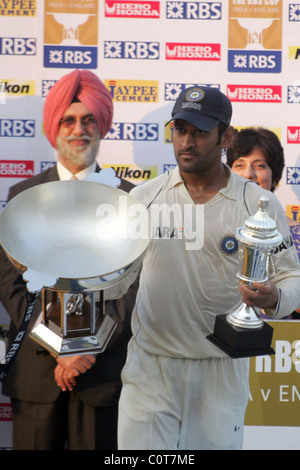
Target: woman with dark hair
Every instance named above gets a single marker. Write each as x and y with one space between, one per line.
257 154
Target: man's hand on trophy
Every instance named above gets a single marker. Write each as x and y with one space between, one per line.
70 367
260 294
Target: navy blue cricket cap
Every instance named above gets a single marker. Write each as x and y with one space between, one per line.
203 107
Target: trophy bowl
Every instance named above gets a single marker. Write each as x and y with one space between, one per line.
72 230
72 240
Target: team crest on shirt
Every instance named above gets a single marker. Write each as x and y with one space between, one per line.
229 245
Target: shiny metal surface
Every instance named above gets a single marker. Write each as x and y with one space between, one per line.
70 230
257 237
62 346
260 229
245 317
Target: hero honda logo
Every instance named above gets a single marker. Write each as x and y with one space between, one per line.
16 168
6 413
132 9
255 93
293 135
194 10
192 51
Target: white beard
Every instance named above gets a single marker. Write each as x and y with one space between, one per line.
81 157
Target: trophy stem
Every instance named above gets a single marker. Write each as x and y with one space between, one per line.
245 317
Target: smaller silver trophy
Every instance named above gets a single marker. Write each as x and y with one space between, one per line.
243 333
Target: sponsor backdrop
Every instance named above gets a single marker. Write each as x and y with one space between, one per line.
146 52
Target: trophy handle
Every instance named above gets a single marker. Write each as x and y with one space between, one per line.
270 267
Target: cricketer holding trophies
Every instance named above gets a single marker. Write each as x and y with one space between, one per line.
181 391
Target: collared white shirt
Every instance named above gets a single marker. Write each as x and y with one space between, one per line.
182 290
65 174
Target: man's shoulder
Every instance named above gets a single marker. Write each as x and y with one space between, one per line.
147 190
45 176
249 192
243 185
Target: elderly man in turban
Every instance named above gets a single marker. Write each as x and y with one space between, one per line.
69 402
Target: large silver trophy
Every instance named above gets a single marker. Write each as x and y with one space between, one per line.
243 333
75 242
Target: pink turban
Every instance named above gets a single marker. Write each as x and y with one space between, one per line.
87 87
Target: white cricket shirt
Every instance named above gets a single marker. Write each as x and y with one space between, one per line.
184 286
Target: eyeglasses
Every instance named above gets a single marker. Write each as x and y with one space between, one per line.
70 121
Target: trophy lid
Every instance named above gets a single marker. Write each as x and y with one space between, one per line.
260 228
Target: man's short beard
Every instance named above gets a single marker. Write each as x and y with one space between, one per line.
82 158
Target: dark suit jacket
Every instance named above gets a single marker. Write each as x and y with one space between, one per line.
31 376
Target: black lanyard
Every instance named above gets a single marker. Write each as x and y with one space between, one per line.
6 363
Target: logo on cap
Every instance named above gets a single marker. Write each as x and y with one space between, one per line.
196 94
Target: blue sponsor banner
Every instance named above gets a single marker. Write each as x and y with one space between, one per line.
173 90
131 50
194 10
294 12
168 167
133 131
46 85
17 46
254 61
17 128
293 94
295 231
70 57
45 165
292 175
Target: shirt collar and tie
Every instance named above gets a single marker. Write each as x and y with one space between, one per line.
65 174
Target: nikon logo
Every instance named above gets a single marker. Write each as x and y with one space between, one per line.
294 53
131 172
14 87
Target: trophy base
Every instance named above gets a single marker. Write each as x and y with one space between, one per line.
61 346
241 342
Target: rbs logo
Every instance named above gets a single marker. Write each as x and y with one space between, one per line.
254 61
69 57
133 131
131 50
17 128
17 46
